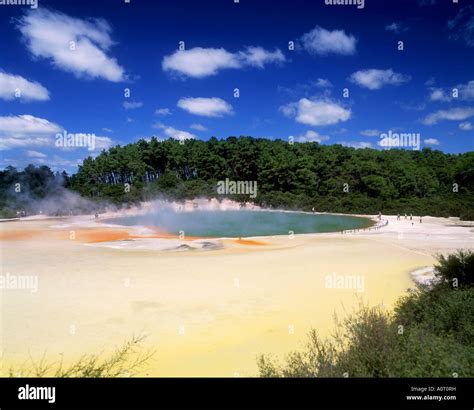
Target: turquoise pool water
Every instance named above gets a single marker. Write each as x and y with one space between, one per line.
242 223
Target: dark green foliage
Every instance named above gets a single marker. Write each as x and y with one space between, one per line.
363 345
456 269
18 190
429 334
441 311
467 215
297 176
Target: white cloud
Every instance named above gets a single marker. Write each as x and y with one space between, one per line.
201 62
374 79
371 133
258 57
462 25
453 114
311 136
396 28
431 141
35 154
207 107
15 86
466 126
438 94
356 144
163 111
49 34
132 105
465 92
321 41
198 127
175 133
102 143
26 130
107 130
57 161
316 112
323 83
431 81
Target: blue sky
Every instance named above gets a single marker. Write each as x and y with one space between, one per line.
65 67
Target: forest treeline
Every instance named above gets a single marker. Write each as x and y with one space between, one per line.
21 191
328 178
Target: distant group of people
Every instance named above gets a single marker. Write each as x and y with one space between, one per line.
376 227
411 218
380 224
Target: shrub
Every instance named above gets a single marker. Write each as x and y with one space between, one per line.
456 267
429 334
125 361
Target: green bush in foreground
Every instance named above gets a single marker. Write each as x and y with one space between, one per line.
429 334
125 361
456 269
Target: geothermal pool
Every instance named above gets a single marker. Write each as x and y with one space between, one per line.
242 223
